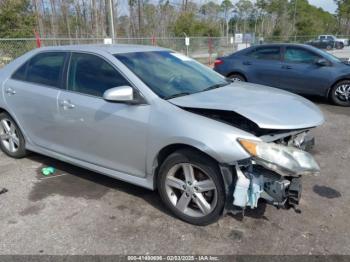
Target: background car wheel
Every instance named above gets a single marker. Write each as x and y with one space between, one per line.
328 47
237 77
339 46
340 93
191 186
12 142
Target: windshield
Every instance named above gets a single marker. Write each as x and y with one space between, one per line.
171 74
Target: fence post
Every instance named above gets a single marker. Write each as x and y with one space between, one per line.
210 49
37 38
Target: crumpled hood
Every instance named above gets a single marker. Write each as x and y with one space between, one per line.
268 107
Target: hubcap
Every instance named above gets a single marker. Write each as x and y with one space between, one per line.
191 190
8 135
236 79
343 92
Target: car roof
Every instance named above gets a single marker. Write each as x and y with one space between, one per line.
243 51
112 49
282 44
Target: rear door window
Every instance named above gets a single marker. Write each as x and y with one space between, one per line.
92 75
46 68
299 55
266 53
20 74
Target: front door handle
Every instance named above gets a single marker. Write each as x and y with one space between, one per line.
10 91
66 104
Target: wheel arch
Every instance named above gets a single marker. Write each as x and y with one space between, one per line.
238 73
26 138
168 150
3 110
347 78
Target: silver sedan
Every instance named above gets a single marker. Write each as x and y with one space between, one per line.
160 120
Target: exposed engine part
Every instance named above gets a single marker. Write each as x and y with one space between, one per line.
299 138
277 190
294 192
304 141
257 182
236 120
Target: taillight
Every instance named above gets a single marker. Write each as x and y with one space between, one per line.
218 62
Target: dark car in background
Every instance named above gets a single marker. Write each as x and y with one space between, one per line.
296 68
326 44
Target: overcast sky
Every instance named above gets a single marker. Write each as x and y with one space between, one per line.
327 5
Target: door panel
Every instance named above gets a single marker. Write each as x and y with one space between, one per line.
35 109
263 66
265 72
31 94
306 78
302 75
112 135
107 134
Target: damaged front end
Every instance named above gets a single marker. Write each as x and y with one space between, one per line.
272 173
278 158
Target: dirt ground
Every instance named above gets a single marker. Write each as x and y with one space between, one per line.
80 212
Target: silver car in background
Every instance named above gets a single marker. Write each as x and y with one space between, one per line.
160 120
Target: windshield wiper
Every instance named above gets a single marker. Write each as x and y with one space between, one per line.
215 86
177 95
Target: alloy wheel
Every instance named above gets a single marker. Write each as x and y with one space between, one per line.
343 92
9 135
236 79
190 190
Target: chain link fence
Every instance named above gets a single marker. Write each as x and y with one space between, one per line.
204 49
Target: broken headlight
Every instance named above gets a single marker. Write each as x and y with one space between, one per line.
286 159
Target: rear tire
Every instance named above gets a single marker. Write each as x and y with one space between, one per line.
340 93
236 77
339 46
191 186
12 141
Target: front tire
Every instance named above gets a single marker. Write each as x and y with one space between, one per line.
191 186
340 93
12 141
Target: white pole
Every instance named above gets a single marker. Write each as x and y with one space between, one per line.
111 19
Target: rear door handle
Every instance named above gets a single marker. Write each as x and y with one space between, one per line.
286 67
10 91
66 104
247 63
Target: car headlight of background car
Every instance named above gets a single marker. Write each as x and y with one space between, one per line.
289 160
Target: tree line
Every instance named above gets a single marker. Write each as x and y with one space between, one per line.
165 18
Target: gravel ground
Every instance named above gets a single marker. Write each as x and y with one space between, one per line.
80 212
342 53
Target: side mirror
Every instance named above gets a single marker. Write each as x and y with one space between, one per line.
121 94
322 62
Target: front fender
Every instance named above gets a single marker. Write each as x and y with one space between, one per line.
173 125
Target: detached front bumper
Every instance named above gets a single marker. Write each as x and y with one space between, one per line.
255 182
255 179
